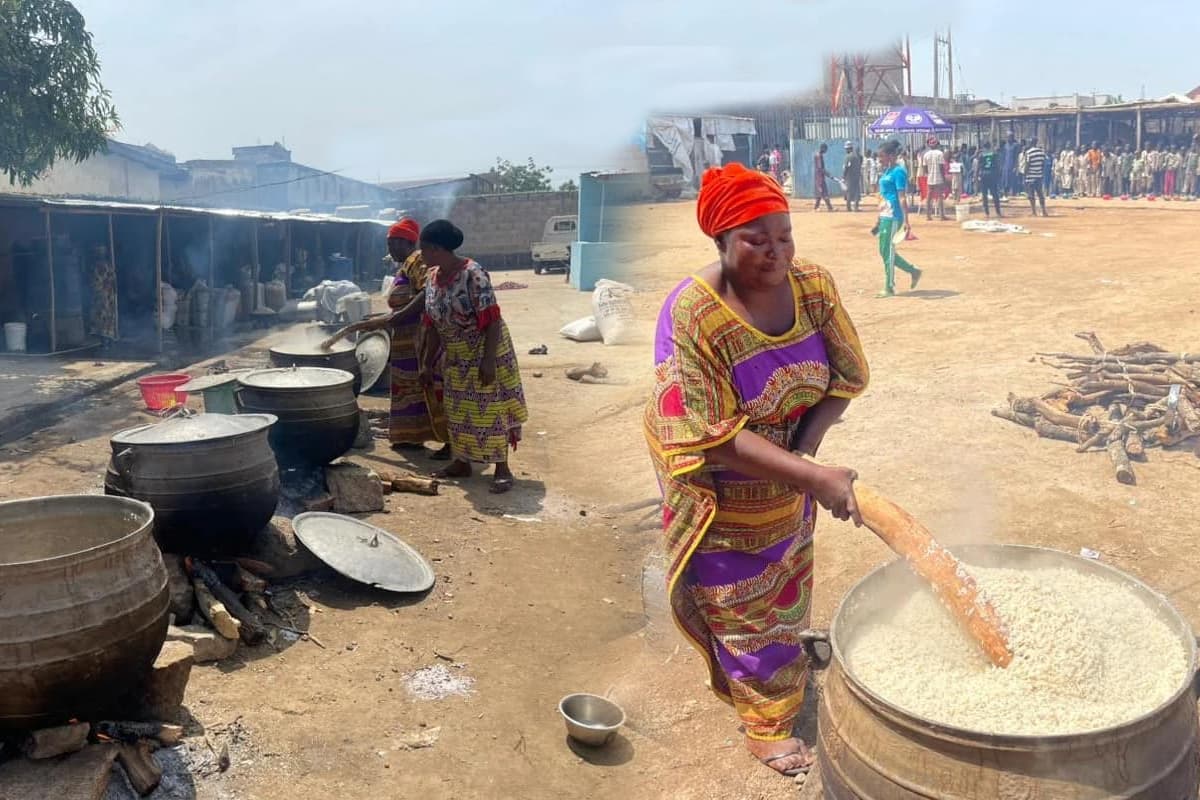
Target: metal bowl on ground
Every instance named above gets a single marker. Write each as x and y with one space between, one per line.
871 749
190 468
316 408
309 353
83 606
591 720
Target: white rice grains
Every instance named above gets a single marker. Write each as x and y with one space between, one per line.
1088 653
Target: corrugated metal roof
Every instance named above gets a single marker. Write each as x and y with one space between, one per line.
1116 108
112 206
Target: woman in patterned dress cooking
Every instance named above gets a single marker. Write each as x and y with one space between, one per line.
483 396
755 359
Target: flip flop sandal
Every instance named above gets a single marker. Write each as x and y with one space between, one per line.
794 771
501 485
540 350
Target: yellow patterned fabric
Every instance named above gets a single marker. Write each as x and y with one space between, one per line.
740 549
483 421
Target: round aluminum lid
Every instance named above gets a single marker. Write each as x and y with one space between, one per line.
363 552
296 378
374 350
198 428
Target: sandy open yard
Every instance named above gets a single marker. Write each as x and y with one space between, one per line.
556 601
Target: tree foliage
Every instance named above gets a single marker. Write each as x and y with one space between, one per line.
527 177
52 104
568 186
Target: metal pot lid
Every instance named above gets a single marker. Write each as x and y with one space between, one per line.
296 378
363 552
312 348
203 382
373 351
198 428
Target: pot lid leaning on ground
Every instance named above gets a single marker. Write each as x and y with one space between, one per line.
374 350
363 552
198 428
296 378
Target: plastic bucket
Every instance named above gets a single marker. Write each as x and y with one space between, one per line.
158 391
14 337
220 399
962 212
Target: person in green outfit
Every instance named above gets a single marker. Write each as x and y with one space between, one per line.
893 180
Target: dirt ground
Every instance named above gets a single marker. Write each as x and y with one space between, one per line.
532 610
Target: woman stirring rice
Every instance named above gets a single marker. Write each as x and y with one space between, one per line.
416 414
484 399
755 360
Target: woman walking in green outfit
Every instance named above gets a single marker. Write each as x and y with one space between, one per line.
893 181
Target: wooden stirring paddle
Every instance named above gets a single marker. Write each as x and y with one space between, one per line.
952 584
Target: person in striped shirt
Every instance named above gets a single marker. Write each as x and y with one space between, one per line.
1035 171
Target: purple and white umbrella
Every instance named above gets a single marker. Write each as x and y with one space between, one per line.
910 119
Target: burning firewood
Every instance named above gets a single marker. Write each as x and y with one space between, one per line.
249 626
51 742
215 611
140 767
1123 401
120 731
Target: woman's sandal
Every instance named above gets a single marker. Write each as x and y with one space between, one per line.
442 454
792 772
501 485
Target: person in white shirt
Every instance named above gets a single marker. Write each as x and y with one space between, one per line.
934 162
956 175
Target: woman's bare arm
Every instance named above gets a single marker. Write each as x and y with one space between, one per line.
816 422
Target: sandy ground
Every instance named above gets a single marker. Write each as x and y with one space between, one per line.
532 610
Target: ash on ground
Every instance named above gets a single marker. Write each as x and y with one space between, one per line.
437 682
296 486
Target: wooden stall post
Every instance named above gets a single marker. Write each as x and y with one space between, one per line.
112 259
359 267
257 266
50 262
1078 129
158 239
287 256
212 278
1138 129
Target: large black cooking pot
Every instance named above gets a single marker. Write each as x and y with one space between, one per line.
83 607
317 411
212 479
341 355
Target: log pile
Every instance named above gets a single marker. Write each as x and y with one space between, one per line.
1123 401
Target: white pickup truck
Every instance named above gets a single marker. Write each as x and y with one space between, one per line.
553 253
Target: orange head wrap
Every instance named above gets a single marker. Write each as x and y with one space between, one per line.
731 196
406 228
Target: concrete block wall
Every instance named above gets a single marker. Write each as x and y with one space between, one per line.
500 229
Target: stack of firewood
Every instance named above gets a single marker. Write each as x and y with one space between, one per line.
1122 401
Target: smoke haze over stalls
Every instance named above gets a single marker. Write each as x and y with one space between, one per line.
394 90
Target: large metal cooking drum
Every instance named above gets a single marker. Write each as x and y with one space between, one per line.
873 750
212 479
318 413
341 355
83 606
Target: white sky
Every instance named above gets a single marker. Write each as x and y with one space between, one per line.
393 90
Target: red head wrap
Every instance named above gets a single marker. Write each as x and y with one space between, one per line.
731 196
406 228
